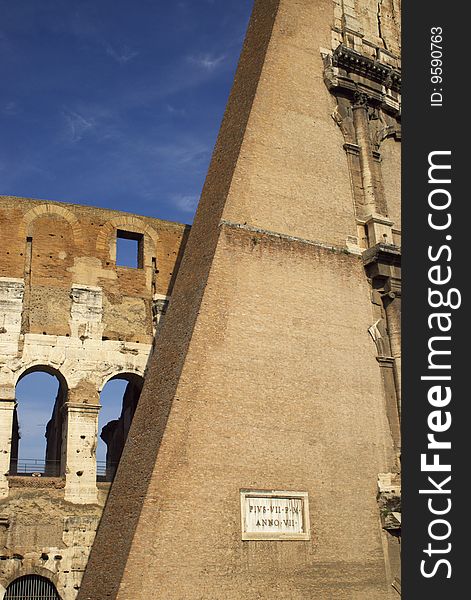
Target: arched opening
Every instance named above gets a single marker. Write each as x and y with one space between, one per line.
31 587
36 447
118 399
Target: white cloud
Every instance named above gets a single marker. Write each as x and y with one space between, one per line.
178 112
122 56
77 126
182 152
186 202
207 61
10 108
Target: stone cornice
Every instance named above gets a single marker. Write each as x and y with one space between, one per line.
383 263
274 235
359 64
385 253
357 76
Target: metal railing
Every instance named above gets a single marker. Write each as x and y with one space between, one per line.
101 468
39 467
35 467
105 471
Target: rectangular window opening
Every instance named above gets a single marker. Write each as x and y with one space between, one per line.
129 249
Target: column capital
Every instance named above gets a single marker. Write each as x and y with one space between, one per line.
360 100
7 393
383 261
81 407
7 404
393 287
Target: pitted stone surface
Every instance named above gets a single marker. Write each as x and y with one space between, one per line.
68 309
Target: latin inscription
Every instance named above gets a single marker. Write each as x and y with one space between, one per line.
272 516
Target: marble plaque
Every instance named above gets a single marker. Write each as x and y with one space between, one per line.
274 515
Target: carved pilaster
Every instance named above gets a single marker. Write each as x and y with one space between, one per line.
383 266
7 409
368 111
80 455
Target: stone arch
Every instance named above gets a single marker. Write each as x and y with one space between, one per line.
50 463
106 240
47 209
41 365
128 374
114 431
22 571
385 132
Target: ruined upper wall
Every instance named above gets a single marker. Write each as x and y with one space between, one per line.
329 192
363 71
376 22
66 256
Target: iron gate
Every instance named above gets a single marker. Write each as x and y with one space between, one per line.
31 587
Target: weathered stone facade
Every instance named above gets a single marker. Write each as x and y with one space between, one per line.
278 364
67 308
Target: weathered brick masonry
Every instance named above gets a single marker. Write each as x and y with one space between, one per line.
67 308
278 364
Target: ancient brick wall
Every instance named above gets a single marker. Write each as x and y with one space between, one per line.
67 308
278 364
280 371
52 247
42 534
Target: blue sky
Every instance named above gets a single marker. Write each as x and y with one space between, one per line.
115 103
111 103
35 394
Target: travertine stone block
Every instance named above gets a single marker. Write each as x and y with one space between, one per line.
11 305
80 463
